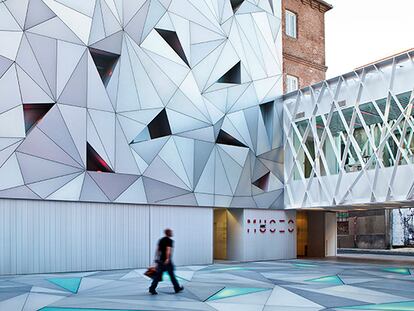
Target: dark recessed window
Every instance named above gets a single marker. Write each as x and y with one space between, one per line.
172 39
263 182
33 113
235 4
159 126
267 113
94 161
226 139
232 76
105 62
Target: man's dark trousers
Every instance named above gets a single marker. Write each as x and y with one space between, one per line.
161 267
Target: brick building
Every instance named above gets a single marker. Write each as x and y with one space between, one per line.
303 23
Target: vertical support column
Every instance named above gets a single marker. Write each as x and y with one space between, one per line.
388 228
330 234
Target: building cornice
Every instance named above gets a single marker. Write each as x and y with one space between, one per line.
304 62
320 5
410 51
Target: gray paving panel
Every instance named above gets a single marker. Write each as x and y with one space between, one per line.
264 286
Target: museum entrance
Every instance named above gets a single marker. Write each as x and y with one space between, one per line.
227 234
316 234
301 234
220 234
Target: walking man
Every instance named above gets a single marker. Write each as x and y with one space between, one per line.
164 263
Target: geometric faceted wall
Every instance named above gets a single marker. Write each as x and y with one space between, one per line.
350 140
142 101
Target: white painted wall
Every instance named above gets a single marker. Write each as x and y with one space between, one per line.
330 234
235 234
46 236
268 245
193 232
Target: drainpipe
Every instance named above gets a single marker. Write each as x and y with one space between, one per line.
355 231
388 228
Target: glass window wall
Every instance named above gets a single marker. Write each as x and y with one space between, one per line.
352 136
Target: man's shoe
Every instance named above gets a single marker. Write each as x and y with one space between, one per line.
153 292
177 290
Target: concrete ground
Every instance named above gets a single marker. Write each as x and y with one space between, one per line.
375 258
338 284
406 251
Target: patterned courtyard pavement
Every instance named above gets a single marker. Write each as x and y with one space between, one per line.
258 286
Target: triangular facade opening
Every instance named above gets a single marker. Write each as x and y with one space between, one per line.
105 62
159 126
226 139
94 161
235 4
263 182
172 39
267 110
232 76
33 113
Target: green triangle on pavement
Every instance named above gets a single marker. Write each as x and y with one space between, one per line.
331 280
166 277
70 284
393 306
230 269
228 292
404 271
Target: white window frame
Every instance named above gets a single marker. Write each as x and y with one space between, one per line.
291 24
292 83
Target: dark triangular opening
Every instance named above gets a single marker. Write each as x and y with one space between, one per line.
33 113
232 76
94 161
266 109
105 63
267 113
271 5
263 182
226 139
172 39
235 4
159 126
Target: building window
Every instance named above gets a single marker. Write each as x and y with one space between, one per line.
292 83
291 27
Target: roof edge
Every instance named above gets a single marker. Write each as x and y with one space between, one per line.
328 5
398 57
320 5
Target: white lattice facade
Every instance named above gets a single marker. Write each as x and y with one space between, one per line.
349 140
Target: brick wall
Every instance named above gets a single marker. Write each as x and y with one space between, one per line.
304 57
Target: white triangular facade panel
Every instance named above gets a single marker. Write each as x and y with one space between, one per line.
139 101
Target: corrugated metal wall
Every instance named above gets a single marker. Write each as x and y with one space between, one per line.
45 236
193 232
